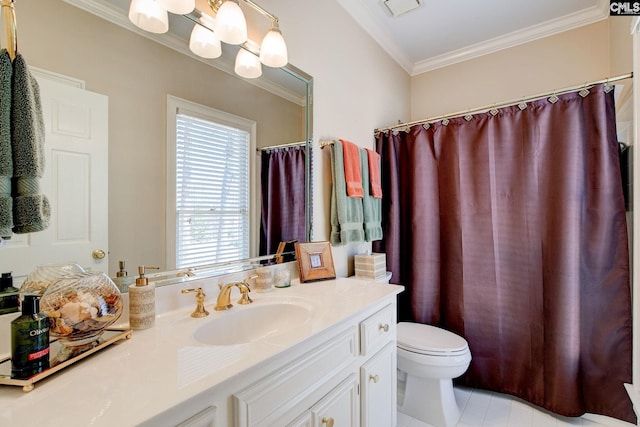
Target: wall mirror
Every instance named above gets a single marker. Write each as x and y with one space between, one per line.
93 42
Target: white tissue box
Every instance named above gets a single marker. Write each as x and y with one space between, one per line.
372 266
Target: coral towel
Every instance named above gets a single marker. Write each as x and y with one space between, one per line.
374 173
352 171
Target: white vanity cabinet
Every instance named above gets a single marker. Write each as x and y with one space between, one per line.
337 365
346 380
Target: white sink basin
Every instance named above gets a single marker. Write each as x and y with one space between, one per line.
250 323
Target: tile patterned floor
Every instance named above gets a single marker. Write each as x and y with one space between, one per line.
487 409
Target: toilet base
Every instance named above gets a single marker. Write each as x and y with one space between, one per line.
431 401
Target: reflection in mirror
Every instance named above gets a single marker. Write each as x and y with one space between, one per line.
135 72
282 181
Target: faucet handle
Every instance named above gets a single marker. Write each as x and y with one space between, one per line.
246 280
200 311
244 290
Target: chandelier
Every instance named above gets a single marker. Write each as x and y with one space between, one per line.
227 24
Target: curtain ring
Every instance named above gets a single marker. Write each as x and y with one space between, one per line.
584 92
553 98
607 87
468 117
522 105
494 111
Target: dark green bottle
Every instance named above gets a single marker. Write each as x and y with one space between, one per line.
8 294
29 340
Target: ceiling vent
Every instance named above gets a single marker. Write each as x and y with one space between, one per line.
398 7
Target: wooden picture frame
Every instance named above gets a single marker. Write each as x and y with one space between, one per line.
315 261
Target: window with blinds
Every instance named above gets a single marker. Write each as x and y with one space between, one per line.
212 191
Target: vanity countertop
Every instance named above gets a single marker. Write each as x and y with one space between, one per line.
134 380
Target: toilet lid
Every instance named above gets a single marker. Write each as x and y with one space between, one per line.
429 339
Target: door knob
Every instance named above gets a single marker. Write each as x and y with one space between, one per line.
328 422
98 254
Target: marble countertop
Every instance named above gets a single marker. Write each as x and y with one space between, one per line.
134 380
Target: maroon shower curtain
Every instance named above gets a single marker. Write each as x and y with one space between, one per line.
510 230
283 183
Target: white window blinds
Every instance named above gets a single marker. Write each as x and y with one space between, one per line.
212 192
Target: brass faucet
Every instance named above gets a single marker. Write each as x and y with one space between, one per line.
224 297
200 311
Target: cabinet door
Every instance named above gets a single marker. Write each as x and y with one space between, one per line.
378 382
340 408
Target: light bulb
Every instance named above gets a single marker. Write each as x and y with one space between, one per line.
273 51
179 7
149 16
204 42
231 26
247 65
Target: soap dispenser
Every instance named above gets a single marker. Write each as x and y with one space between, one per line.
142 301
8 294
122 279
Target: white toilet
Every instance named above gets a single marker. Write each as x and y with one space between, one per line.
430 357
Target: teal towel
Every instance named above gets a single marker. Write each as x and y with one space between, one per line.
372 207
346 212
31 210
6 160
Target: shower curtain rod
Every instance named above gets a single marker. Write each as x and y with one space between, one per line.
290 144
507 103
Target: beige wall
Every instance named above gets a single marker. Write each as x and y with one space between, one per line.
137 74
588 53
357 88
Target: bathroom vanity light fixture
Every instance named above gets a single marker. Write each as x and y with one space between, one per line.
204 42
227 24
149 16
247 65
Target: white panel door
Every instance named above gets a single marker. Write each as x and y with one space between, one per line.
75 181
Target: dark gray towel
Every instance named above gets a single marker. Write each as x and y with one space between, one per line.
31 209
6 160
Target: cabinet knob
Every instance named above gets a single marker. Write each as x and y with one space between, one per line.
98 254
374 378
327 422
384 327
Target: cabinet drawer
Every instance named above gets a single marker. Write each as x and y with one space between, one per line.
377 330
271 397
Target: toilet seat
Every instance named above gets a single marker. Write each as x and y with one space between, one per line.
430 340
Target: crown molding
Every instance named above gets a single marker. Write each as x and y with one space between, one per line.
368 23
116 16
356 8
549 28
